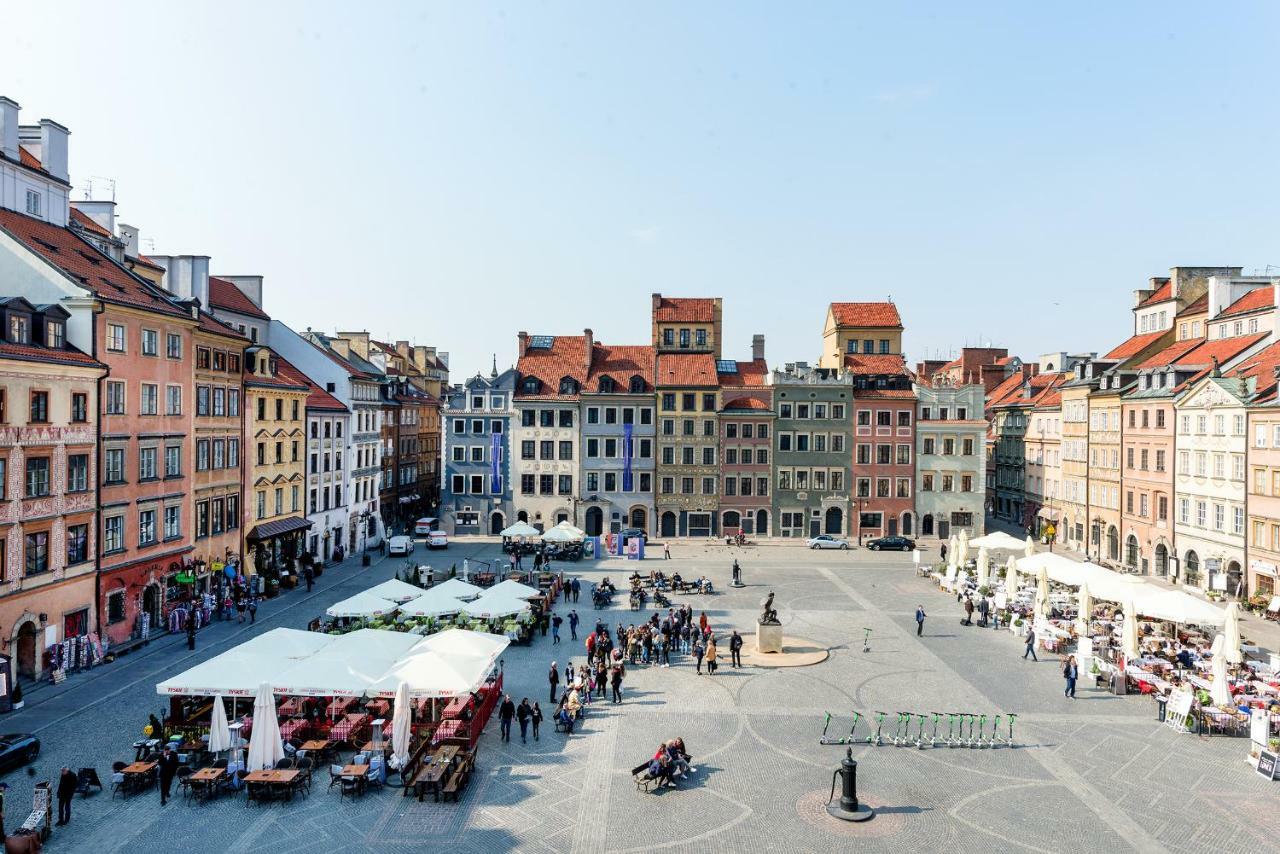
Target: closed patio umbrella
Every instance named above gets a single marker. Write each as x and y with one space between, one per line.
982 568
1011 578
265 747
400 725
1232 635
1130 645
1219 689
219 735
964 546
1086 608
1042 593
1030 547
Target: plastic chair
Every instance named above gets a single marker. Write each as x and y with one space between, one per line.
335 774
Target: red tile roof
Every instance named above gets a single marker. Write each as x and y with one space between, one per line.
1255 300
210 324
80 260
88 223
1262 367
1219 351
621 363
751 374
1134 345
1199 305
32 353
1006 391
873 315
866 364
1162 293
566 357
27 159
884 394
687 369
1170 355
147 262
287 376
226 296
747 404
685 310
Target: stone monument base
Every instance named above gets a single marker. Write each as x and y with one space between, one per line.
768 638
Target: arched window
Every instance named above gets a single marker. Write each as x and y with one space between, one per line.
1131 551
1113 543
1192 563
637 385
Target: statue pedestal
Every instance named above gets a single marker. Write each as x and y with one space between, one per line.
768 638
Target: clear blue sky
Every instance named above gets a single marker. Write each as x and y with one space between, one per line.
454 173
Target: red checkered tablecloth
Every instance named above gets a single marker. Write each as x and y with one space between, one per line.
343 729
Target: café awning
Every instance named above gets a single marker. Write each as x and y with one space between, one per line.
277 527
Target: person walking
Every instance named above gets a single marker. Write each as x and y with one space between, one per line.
968 611
168 770
240 603
615 680
666 551
576 586
523 713
535 718
67 783
712 653
309 573
554 678
506 712
698 652
942 549
1031 644
1070 672
735 649
920 615
556 620
573 619
253 609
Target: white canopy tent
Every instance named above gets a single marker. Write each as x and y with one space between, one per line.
428 673
520 529
361 605
457 589
463 642
998 541
347 667
239 671
511 589
560 535
1179 607
496 606
395 590
433 603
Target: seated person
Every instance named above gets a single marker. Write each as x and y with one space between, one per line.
679 759
676 581
1185 659
658 771
566 719
573 704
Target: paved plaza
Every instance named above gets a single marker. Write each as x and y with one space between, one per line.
1097 773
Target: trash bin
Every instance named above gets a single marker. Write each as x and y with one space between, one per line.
364 559
1162 703
1118 684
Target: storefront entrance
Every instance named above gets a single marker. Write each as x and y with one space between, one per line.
26 650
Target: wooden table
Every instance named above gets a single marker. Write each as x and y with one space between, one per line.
355 770
204 782
317 745
270 775
139 775
433 772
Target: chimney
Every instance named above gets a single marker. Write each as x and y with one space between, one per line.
9 128
589 343
523 339
53 149
129 234
341 346
757 348
103 213
186 276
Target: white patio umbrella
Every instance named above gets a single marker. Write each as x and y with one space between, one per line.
982 567
219 735
998 541
466 569
361 605
1086 609
1030 548
964 546
1219 690
1232 635
395 590
1011 578
265 746
512 588
566 525
560 535
1042 593
457 589
520 529
1130 644
495 606
400 725
434 603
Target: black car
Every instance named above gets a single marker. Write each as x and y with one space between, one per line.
18 749
891 543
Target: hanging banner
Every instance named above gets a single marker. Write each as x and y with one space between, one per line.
495 460
627 476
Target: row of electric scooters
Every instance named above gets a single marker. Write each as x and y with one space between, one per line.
963 730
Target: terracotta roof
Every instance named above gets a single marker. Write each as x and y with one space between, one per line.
685 310
1134 345
1255 300
209 323
88 223
621 363
287 376
226 296
31 353
745 404
1050 397
1008 389
146 262
867 364
1169 355
884 394
751 374
873 315
1199 305
1221 349
564 358
29 160
80 260
1162 293
687 369
1007 360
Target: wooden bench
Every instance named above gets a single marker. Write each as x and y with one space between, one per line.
457 782
640 774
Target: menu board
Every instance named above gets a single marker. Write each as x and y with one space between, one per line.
1267 764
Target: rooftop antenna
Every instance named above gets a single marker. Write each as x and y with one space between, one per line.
88 186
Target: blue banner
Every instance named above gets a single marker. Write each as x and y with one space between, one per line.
495 472
626 458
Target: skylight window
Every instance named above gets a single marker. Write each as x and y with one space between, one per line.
541 342
726 366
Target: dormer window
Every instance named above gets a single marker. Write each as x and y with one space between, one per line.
568 385
607 385
19 329
637 385
54 335
530 385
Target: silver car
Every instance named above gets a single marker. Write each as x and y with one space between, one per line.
826 541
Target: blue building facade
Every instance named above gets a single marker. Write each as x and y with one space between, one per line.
476 495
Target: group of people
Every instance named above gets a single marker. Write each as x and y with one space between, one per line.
525 714
669 762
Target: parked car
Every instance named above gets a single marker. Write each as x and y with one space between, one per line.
425 526
826 541
891 543
401 545
18 749
437 540
632 533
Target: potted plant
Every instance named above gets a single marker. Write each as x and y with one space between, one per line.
17 702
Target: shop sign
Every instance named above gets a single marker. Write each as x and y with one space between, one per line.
1267 764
